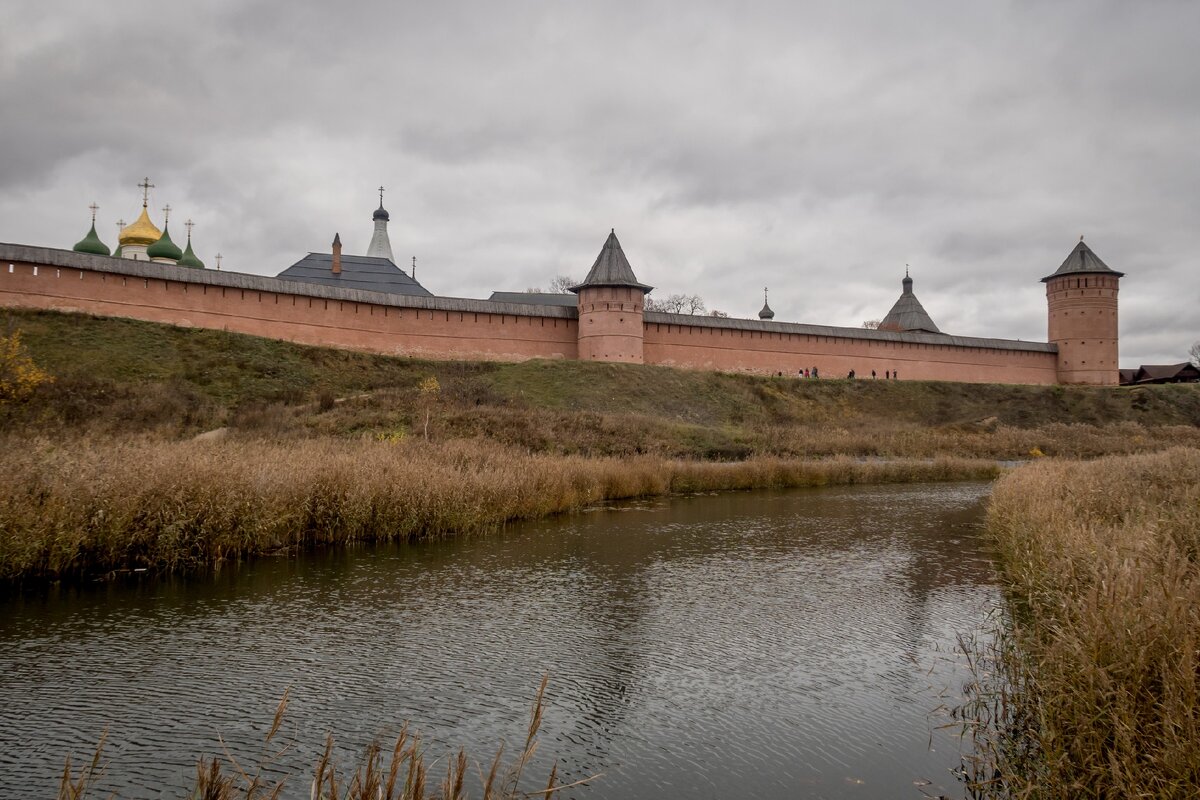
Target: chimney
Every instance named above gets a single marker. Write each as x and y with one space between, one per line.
337 254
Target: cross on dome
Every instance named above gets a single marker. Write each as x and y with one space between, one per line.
146 187
94 209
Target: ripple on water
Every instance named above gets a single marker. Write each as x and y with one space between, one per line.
758 644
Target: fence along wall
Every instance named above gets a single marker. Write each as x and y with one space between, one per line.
773 347
441 327
304 313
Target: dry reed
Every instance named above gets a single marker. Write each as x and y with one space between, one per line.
1092 688
401 775
87 506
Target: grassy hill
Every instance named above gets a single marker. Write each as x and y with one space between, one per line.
122 377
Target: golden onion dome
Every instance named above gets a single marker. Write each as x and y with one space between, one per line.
141 232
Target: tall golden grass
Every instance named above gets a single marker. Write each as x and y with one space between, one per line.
1094 690
86 506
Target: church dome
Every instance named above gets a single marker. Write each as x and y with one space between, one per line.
141 232
91 244
766 312
164 247
381 214
189 259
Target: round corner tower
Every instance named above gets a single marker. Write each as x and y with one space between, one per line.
1081 300
611 305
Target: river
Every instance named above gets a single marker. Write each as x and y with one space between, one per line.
759 644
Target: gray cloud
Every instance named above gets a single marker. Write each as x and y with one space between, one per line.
812 148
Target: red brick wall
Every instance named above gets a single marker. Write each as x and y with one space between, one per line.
770 353
296 318
478 335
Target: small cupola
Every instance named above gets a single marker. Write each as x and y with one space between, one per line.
165 251
766 312
91 243
381 245
189 258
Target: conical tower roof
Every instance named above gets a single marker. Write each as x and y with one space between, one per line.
611 268
164 247
91 244
1082 260
908 314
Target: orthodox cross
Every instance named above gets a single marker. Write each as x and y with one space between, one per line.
146 187
94 209
219 260
381 197
120 226
166 213
906 270
189 225
414 268
764 295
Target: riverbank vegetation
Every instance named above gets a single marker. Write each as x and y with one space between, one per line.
1093 687
87 506
307 446
122 378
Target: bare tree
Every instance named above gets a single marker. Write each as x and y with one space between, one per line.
715 313
677 304
1195 354
872 324
560 284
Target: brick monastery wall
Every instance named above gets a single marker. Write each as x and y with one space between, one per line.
772 347
479 329
303 313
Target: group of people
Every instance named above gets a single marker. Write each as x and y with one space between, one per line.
888 375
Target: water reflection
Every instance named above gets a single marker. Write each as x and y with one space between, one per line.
758 644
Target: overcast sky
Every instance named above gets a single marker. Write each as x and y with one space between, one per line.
815 148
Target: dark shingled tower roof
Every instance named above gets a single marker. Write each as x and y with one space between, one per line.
358 272
1082 260
611 268
908 314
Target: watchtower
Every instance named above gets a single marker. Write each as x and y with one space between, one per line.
1081 300
611 303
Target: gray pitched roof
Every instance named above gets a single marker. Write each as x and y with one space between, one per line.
1082 260
536 298
358 272
612 268
908 314
1166 373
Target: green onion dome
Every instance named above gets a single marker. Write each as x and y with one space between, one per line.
189 258
164 247
91 244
